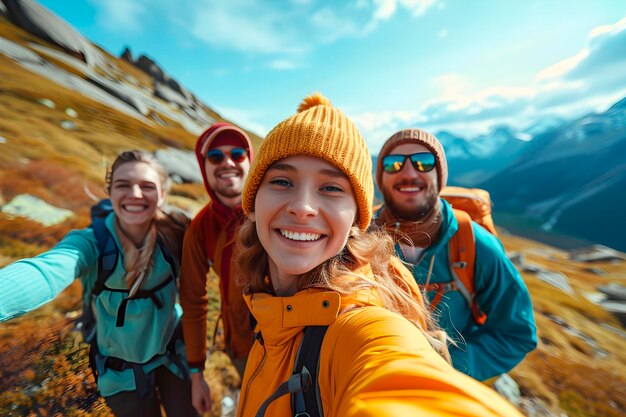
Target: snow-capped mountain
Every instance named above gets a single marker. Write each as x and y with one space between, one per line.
477 159
572 178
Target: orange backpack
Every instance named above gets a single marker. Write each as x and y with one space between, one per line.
468 204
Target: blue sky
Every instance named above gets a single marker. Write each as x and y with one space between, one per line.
456 65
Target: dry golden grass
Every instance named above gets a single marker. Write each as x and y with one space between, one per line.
41 158
567 372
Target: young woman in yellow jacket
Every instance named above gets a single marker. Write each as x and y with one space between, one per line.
307 260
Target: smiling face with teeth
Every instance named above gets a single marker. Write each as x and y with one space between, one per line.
227 178
136 192
304 209
410 193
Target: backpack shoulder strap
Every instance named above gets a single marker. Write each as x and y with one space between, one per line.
462 258
303 386
169 257
107 259
108 251
308 401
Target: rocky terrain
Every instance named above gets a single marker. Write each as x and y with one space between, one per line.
67 107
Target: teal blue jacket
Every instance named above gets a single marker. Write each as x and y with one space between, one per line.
30 283
509 332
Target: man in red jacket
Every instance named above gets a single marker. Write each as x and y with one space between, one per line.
224 153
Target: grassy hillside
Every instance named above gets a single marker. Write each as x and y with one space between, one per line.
43 368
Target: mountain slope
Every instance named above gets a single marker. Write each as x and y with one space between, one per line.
571 179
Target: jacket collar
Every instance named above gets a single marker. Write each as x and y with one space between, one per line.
280 318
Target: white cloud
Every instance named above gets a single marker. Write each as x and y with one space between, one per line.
244 118
283 64
376 127
243 26
591 80
599 66
385 9
280 29
330 27
417 7
126 14
443 33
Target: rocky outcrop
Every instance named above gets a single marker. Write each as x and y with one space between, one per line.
39 21
165 87
102 79
614 300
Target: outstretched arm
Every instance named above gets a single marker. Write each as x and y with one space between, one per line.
30 283
381 365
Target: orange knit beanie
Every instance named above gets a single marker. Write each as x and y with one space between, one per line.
323 131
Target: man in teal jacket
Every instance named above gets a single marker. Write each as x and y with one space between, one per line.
411 171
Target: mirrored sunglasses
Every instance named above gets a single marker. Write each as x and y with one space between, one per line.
422 161
216 156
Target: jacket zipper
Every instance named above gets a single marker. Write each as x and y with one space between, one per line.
258 336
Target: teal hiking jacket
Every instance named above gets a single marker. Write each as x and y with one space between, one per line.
509 332
30 283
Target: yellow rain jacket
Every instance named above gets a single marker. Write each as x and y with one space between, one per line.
372 362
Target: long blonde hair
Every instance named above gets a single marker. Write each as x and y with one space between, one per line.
374 247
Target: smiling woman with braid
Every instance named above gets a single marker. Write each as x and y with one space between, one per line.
128 264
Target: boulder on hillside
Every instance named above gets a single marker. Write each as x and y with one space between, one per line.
556 279
613 292
31 207
597 253
617 308
182 166
508 388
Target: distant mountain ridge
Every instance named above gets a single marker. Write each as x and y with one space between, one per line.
572 178
558 176
476 160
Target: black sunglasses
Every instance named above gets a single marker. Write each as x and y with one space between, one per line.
422 161
216 156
